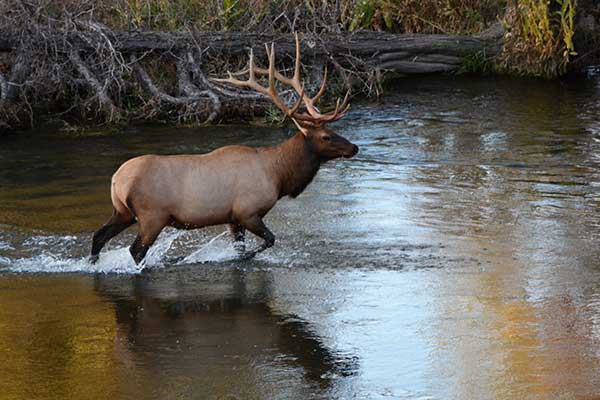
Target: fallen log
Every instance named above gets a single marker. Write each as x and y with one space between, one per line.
106 63
400 53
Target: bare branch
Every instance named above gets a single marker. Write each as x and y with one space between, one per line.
3 89
191 90
18 74
101 90
196 100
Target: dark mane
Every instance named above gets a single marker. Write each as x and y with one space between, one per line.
295 165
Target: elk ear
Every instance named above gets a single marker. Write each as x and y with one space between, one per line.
304 130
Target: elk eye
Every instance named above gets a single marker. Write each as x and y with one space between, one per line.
327 138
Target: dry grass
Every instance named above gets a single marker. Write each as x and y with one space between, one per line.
428 16
539 39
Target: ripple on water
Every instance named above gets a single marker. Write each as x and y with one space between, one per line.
455 257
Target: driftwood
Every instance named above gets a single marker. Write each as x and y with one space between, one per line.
112 112
406 54
193 98
199 98
19 73
3 89
185 65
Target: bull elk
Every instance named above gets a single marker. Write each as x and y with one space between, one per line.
235 185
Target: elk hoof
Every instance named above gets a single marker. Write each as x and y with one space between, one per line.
248 255
240 248
93 258
175 260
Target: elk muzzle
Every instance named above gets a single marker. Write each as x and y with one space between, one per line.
352 151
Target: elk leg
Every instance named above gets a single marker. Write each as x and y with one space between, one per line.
115 225
258 227
237 235
145 238
138 250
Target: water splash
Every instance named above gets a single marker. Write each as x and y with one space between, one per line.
56 253
220 249
217 249
114 261
43 253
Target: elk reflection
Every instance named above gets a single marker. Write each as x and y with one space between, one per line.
214 330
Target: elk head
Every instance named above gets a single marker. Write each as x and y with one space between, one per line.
324 142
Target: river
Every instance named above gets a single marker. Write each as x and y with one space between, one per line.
455 257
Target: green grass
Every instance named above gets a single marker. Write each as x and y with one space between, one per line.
476 63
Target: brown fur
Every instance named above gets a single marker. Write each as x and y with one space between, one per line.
234 185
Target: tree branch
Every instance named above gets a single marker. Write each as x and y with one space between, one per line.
106 103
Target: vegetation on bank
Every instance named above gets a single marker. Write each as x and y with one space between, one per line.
417 16
537 38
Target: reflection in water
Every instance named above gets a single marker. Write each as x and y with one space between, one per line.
56 340
187 325
455 257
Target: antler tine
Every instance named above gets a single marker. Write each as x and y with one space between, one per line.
344 108
296 77
271 57
294 82
251 66
344 111
321 89
273 75
232 80
252 83
298 103
312 114
339 112
346 98
337 107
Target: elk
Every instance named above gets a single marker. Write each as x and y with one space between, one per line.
235 185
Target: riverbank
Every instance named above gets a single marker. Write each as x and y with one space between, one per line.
120 62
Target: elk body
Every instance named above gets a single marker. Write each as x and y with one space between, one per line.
235 185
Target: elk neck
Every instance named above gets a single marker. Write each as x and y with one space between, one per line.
294 165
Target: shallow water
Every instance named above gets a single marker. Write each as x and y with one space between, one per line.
454 257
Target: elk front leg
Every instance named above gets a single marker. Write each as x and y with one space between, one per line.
257 226
115 225
149 231
237 236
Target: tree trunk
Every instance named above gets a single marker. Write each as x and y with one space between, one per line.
404 54
92 61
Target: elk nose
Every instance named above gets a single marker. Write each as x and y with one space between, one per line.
354 150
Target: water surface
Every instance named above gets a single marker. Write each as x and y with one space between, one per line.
455 257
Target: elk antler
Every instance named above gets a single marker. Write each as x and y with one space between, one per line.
312 115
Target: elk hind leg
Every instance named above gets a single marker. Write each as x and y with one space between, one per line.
257 226
237 233
149 231
115 225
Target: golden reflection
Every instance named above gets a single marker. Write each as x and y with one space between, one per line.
504 337
59 206
56 340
